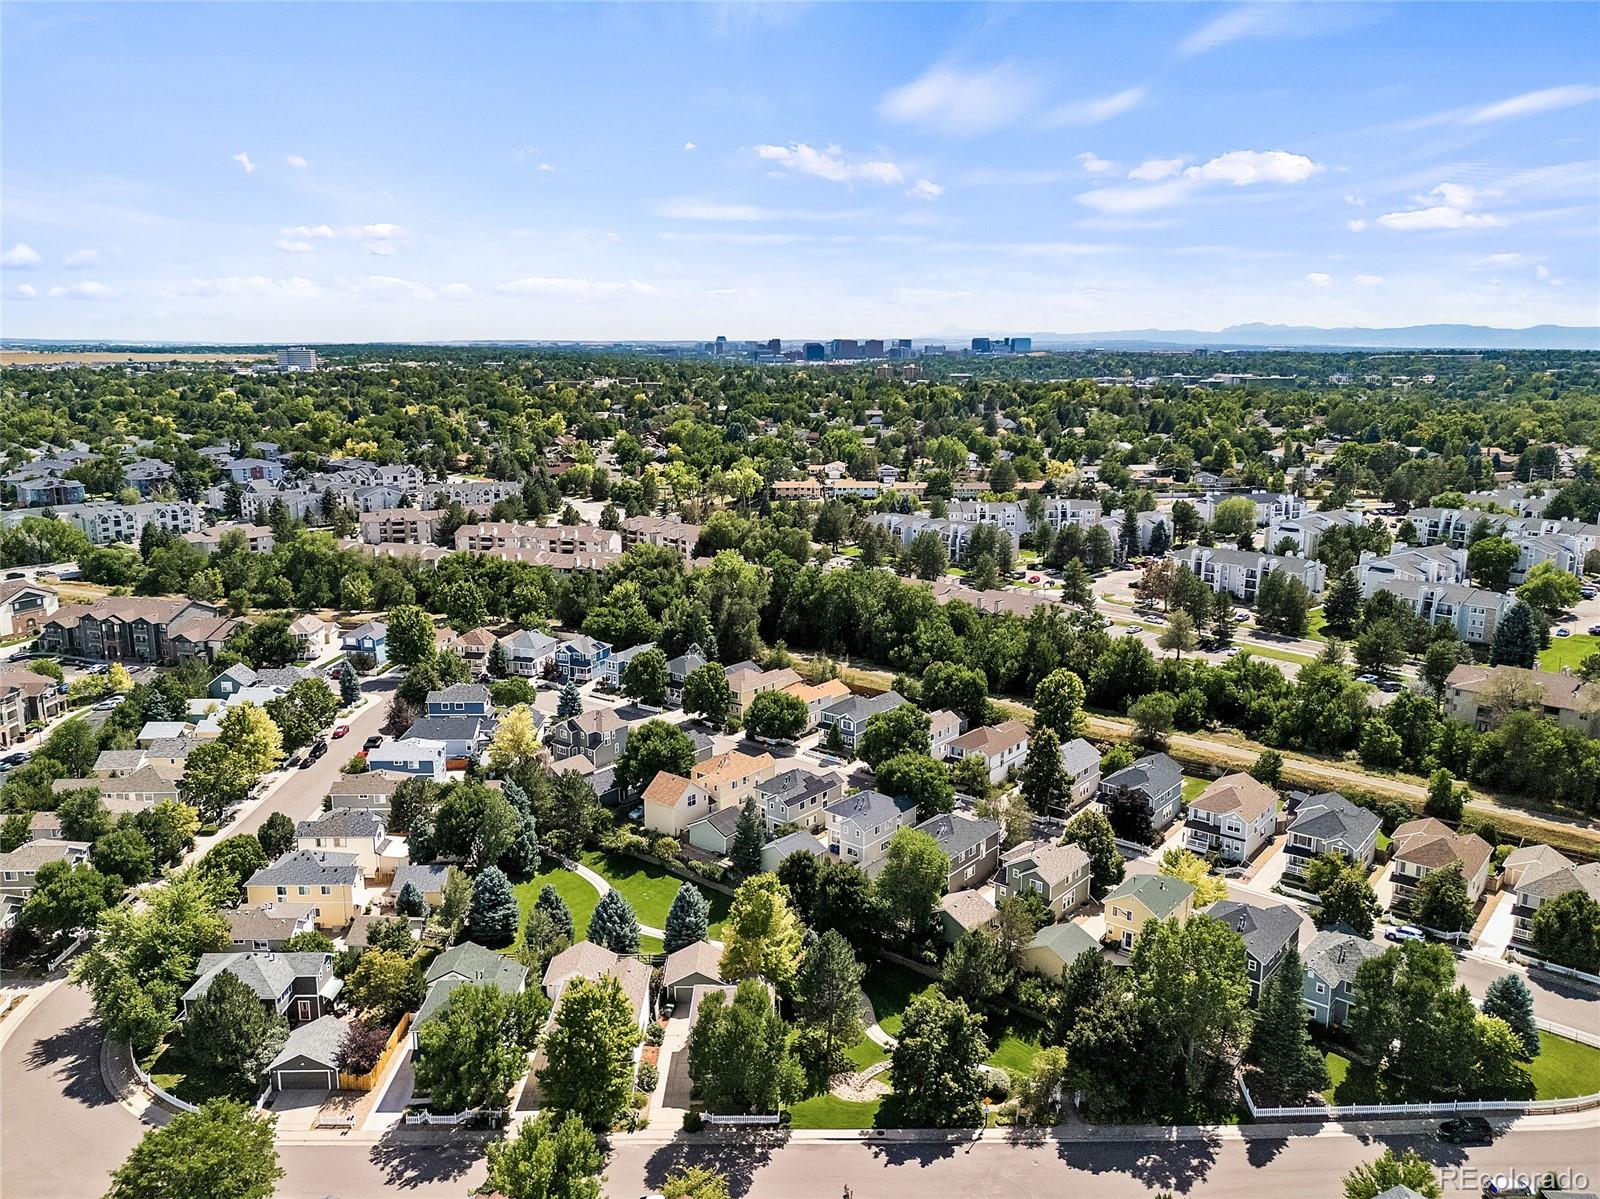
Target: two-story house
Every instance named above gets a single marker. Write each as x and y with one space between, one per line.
1267 931
1157 778
1141 898
860 825
1081 761
579 659
817 696
733 777
798 797
1329 823
615 667
460 699
298 986
368 791
1538 882
1330 962
371 639
746 680
1058 874
349 830
19 868
601 736
529 653
1423 846
849 716
1232 818
1000 747
463 737
332 881
466 963
970 842
678 671
267 927
673 803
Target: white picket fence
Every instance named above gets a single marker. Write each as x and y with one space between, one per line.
146 1080
1539 963
435 1118
738 1121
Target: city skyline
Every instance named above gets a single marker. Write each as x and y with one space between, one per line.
318 173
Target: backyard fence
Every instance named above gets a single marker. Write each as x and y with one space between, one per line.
365 1082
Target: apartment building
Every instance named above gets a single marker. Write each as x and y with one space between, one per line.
407 526
24 606
1474 613
1482 695
1240 572
557 539
664 531
1307 529
1413 564
137 629
106 523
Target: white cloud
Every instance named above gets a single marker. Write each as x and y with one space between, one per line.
83 258
695 210
245 286
991 177
1274 19
1092 112
1318 279
961 101
1531 103
289 246
829 163
1370 280
689 146
26 291
386 288
457 291
382 230
1449 212
1096 165
385 248
545 168
1156 168
1496 261
243 160
297 161
1243 167
577 289
1356 225
925 189
304 231
1122 201
21 256
88 290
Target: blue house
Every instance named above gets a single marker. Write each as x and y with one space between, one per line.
580 659
371 638
460 699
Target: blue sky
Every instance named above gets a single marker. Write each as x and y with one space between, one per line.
369 171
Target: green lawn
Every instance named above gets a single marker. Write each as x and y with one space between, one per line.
1193 785
1568 651
1314 625
650 889
1563 1069
578 895
824 1111
1015 1049
866 1052
891 988
176 1075
1281 655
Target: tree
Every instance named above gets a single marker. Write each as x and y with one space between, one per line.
472 1051
1341 607
66 898
230 1032
828 995
493 917
1192 984
738 1053
515 742
843 902
1268 768
230 862
82 814
962 689
410 638
220 774
653 747
350 688
1411 1017
1383 1175
695 1182
1179 635
552 905
1491 560
410 901
475 824
937 1083
1509 999
927 555
1076 586
1443 801
1290 1066
222 1151
276 836
1058 703
549 1158
589 1052
1283 604
1566 930
1191 868
776 715
1516 641
1550 590
302 712
614 925
688 919
569 703
385 984
749 836
1345 898
1153 716
977 970
901 730
1234 517
645 678
1440 659
911 880
1381 648
761 937
361 1048
1092 832
706 694
124 854
1129 814
918 778
1442 902
1045 784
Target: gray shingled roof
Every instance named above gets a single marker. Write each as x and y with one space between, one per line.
460 693
428 876
956 833
1335 956
309 867
869 808
1332 815
1078 755
317 1041
342 822
794 787
1152 774
1266 929
269 975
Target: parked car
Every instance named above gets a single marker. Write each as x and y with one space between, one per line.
1466 1130
1389 685
1563 632
1594 630
318 748
100 668
1406 932
1366 678
340 730
106 705
373 741
20 758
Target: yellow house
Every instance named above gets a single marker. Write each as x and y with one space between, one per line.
672 803
329 881
731 778
1142 898
817 696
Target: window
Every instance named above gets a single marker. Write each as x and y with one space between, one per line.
1321 989
326 890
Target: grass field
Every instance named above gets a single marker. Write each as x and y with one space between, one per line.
1281 655
866 1052
1314 625
1563 1069
891 988
577 894
1568 651
824 1111
1193 785
176 1075
1014 1050
650 889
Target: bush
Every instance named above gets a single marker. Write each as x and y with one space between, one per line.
639 1101
361 1048
666 848
999 1089
693 1121
655 1034
647 1077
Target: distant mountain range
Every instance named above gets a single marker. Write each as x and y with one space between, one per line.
1307 337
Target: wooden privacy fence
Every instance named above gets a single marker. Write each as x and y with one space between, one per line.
365 1082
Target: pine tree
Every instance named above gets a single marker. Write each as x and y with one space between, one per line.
492 918
1508 997
688 920
1128 535
1044 778
410 901
349 689
498 664
553 906
570 703
748 838
1280 1047
1341 607
1516 641
1160 540
614 925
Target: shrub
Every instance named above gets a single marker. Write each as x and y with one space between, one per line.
361 1048
647 1078
665 848
693 1121
655 1034
999 1089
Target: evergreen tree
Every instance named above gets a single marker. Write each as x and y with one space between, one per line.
748 838
614 925
1280 1047
492 917
1045 784
1508 997
499 665
688 919
1222 622
1341 607
410 901
553 906
1516 640
1160 540
1128 534
1443 801
828 993
349 688
570 702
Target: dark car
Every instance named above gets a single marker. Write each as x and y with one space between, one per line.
372 742
20 758
1466 1130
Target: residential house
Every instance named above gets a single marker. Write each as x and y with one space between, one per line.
1482 695
1538 883
850 715
746 680
615 667
1057 874
410 755
1157 778
798 797
24 607
429 878
529 654
309 1059
579 659
777 851
137 629
316 637
1240 572
19 867
970 842
351 830
860 825
817 696
298 986
267 927
1330 962
1329 823
1000 747
1423 846
466 963
1081 761
964 912
463 737
1267 932
672 803
371 639
591 961
460 700
944 726
1141 898
368 791
714 833
733 777
331 881
1232 818
601 736
142 787
678 671
695 965
1055 947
